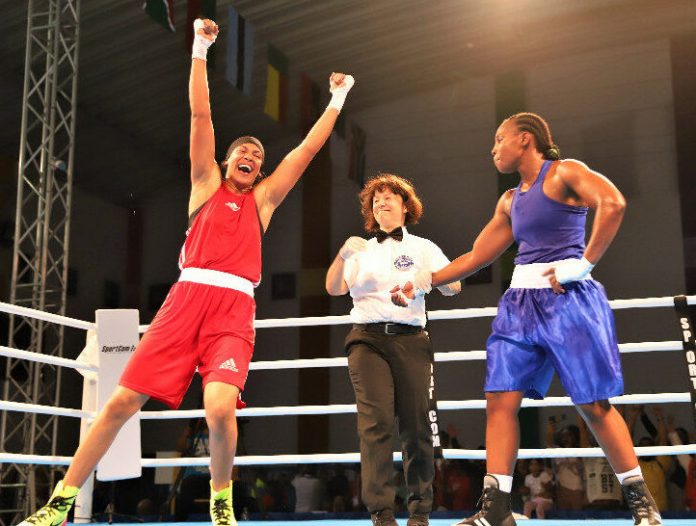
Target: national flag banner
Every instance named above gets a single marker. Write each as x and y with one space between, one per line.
162 12
310 101
240 51
357 155
199 9
276 105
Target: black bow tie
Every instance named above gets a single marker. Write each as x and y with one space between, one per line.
397 234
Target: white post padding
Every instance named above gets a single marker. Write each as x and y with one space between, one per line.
117 336
90 356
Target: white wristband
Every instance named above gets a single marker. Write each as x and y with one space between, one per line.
338 95
200 47
573 270
337 101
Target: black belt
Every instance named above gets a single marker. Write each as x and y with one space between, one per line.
388 328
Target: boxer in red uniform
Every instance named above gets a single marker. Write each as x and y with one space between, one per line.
206 322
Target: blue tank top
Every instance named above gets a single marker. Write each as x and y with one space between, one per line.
545 229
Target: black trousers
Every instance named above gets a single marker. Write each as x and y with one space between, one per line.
391 376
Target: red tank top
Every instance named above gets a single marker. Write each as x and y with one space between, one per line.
225 236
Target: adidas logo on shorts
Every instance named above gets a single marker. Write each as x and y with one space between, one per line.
230 365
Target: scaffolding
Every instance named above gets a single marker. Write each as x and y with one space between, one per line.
41 243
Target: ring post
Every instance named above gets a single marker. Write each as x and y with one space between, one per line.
89 355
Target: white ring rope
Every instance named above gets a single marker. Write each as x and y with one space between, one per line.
449 356
45 409
354 458
337 409
452 314
46 316
46 358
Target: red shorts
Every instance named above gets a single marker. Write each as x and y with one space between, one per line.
198 326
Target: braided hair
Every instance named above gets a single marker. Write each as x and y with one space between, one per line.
537 126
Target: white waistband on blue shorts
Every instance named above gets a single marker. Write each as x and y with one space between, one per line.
530 276
217 279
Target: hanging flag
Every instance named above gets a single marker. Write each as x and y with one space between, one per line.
199 9
276 105
240 51
310 100
162 12
357 155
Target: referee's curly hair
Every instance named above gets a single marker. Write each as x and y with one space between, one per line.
398 185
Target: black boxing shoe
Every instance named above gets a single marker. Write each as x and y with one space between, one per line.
495 507
640 502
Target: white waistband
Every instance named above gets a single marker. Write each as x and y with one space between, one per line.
530 276
217 279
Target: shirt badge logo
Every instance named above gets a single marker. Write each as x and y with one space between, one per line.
403 263
233 206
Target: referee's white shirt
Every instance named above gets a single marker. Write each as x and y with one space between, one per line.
373 272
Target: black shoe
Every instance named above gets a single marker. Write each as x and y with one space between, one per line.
384 518
495 508
641 503
418 519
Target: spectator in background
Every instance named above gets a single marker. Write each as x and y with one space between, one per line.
518 495
259 490
654 468
308 490
570 490
681 488
538 484
282 492
441 490
338 490
194 480
461 490
602 488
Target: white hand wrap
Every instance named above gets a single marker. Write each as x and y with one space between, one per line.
339 94
573 270
422 282
351 246
200 43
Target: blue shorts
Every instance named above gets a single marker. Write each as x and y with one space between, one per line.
537 331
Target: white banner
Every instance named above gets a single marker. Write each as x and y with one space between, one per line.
117 336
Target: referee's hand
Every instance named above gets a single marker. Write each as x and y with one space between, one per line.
402 296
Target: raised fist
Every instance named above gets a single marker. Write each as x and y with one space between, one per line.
340 82
206 28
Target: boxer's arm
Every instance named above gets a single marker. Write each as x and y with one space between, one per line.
273 190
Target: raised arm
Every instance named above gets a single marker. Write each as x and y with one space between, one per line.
272 191
205 173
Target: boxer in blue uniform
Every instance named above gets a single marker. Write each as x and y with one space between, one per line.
554 316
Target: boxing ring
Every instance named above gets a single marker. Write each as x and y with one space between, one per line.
283 459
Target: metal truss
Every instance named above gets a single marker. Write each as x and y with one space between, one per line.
41 242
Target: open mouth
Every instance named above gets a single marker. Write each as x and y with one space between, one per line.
244 168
